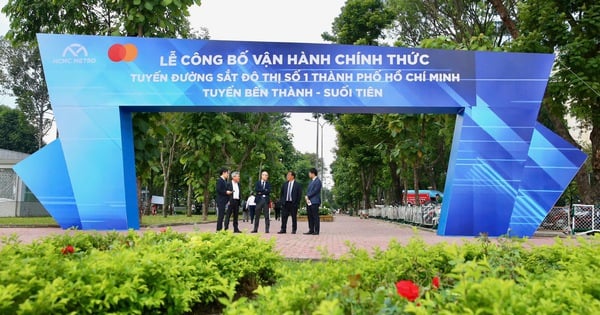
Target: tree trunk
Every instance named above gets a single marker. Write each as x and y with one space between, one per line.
189 200
396 190
41 130
405 194
594 189
367 184
205 205
139 198
165 193
416 184
505 17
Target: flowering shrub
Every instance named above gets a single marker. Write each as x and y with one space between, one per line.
200 273
482 277
407 289
128 273
67 250
435 282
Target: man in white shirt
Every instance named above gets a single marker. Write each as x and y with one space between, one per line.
251 205
234 202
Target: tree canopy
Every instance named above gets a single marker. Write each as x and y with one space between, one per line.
16 134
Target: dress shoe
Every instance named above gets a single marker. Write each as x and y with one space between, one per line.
308 233
293 232
266 232
238 231
316 233
254 232
281 232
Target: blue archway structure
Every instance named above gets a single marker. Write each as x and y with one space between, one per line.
506 170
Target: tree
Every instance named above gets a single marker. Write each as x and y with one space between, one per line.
346 192
167 133
361 22
156 18
16 133
204 137
356 142
458 20
21 76
570 30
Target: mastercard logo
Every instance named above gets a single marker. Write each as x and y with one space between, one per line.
118 52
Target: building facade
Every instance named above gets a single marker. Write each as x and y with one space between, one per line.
15 198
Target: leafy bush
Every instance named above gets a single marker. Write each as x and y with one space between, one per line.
199 273
322 211
486 277
161 273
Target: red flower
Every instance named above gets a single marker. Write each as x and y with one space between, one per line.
68 250
407 289
435 282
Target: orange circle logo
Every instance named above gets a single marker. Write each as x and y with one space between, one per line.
118 52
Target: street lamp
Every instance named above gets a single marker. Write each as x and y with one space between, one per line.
317 145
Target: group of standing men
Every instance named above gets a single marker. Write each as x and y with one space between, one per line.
229 196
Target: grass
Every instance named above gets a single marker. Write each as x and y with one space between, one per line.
27 221
153 220
150 220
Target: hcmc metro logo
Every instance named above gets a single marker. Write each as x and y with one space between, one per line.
74 50
74 54
118 52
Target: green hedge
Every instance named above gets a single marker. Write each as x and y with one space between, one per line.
128 273
486 277
209 273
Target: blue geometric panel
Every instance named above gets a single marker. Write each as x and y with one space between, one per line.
41 172
552 164
95 83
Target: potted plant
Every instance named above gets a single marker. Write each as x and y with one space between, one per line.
325 214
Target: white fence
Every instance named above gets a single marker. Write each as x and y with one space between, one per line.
580 219
427 215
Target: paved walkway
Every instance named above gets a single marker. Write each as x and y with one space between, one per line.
363 233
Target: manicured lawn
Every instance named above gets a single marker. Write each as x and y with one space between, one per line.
152 220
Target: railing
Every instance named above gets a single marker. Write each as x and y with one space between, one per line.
585 219
426 215
580 219
558 219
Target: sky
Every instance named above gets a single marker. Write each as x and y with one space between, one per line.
269 21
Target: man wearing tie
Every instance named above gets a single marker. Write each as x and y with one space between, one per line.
290 199
262 199
234 202
222 197
313 200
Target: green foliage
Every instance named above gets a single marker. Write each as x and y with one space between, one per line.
150 220
322 211
360 23
16 133
569 29
459 22
21 76
148 18
129 273
501 276
124 273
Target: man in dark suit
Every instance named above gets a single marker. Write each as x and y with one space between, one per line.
222 196
313 200
234 202
262 199
290 195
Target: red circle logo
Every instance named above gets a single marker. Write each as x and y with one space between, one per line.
118 52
